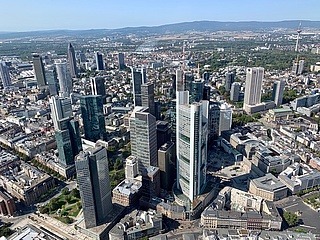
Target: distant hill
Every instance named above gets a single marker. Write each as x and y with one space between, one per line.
201 26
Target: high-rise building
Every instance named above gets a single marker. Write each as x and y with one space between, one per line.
179 80
151 182
300 67
229 80
235 92
277 93
252 95
294 68
67 131
157 111
52 80
121 63
206 77
188 79
173 119
196 91
174 86
94 185
93 118
68 140
99 61
167 166
64 77
192 138
60 108
147 97
163 133
206 93
225 119
143 135
39 70
213 120
97 86
138 78
72 61
82 57
4 75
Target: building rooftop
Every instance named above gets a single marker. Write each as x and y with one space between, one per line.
268 182
128 187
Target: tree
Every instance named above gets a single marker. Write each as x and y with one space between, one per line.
65 191
269 133
118 164
68 199
290 218
75 193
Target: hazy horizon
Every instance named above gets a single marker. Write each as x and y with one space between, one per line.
37 15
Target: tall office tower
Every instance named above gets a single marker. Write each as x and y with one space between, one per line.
225 120
167 166
68 140
192 136
206 93
294 68
64 77
99 61
214 120
196 91
173 120
138 78
52 80
97 86
206 77
277 93
174 86
39 70
229 80
60 108
151 182
147 97
252 94
93 118
157 109
67 132
163 133
121 63
300 67
188 79
72 61
234 92
82 57
94 185
143 135
4 74
179 80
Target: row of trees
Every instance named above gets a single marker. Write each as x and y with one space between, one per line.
47 169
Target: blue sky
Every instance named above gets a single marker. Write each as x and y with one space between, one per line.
27 15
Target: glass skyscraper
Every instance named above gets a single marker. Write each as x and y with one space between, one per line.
191 140
94 185
143 135
72 61
39 70
93 118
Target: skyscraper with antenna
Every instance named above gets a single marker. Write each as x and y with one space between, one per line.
298 37
297 67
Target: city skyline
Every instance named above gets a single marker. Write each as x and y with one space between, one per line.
65 15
